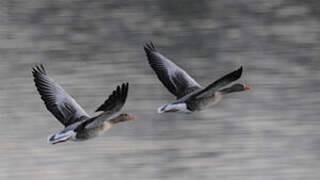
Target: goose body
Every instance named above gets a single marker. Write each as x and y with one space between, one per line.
78 124
191 96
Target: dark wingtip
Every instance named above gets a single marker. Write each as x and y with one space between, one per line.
238 72
149 47
119 94
39 69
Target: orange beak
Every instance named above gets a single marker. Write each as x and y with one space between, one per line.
246 87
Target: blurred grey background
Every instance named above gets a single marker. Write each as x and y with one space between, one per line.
89 47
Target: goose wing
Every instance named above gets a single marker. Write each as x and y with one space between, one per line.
116 100
56 99
216 85
111 107
174 78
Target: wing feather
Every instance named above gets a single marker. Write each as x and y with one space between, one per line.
111 107
116 100
174 78
218 84
56 100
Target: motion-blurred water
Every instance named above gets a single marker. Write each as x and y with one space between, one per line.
89 47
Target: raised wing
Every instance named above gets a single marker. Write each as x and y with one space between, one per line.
111 107
218 84
57 101
175 79
116 100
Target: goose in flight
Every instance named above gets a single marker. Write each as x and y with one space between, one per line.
190 95
78 124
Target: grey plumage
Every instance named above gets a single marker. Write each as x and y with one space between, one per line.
174 78
218 84
116 100
190 95
78 124
56 99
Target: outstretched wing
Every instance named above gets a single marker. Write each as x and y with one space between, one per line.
57 101
116 100
111 107
215 86
175 79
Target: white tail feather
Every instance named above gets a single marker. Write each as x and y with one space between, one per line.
161 109
181 107
60 137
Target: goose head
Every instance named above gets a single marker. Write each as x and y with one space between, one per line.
235 88
122 118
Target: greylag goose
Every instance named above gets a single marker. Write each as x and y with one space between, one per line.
78 124
190 95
